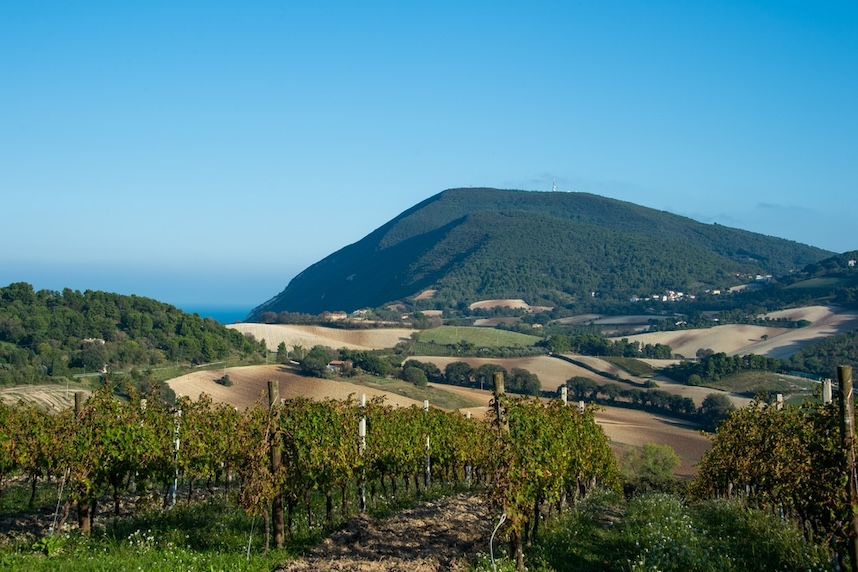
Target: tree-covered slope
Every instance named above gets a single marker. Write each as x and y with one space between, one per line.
46 334
548 248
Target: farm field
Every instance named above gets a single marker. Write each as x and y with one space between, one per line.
553 373
52 397
479 336
250 385
624 427
741 339
757 381
309 336
506 303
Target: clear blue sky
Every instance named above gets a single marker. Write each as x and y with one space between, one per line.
206 152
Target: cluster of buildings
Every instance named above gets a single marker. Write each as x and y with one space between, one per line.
667 296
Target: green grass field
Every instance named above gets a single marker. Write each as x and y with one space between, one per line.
752 383
480 337
817 283
632 365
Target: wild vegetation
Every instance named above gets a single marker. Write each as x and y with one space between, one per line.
663 531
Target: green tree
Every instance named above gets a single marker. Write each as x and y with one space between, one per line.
315 363
414 375
582 387
458 373
653 462
282 353
524 382
715 408
486 372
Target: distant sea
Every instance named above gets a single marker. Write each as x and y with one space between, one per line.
223 314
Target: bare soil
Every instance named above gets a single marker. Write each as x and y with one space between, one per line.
444 534
50 397
250 385
507 303
309 336
742 339
426 295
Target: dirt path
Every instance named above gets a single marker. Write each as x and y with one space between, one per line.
444 534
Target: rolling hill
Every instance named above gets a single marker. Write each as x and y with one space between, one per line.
546 248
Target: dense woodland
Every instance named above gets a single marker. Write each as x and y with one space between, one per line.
558 249
49 335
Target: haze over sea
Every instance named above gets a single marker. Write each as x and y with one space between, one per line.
223 314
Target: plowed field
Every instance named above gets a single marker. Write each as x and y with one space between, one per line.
250 385
309 336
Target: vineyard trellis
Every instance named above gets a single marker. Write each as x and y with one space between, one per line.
111 447
791 459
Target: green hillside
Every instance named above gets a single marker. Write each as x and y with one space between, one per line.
548 248
46 335
478 337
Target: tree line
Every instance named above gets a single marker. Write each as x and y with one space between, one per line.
317 361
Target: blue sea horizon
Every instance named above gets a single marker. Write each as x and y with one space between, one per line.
223 314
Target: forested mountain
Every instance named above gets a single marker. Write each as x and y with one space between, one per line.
548 248
53 334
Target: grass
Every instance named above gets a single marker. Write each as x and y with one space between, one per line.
632 366
661 532
479 337
817 283
654 531
752 383
205 535
437 397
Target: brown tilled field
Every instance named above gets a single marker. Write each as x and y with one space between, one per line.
426 295
50 397
507 303
632 428
309 336
739 339
250 385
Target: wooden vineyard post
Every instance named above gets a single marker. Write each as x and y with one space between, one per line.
78 403
276 462
174 486
503 423
826 391
847 433
84 520
515 540
427 470
468 464
362 451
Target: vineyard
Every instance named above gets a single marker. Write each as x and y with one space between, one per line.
276 458
768 495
